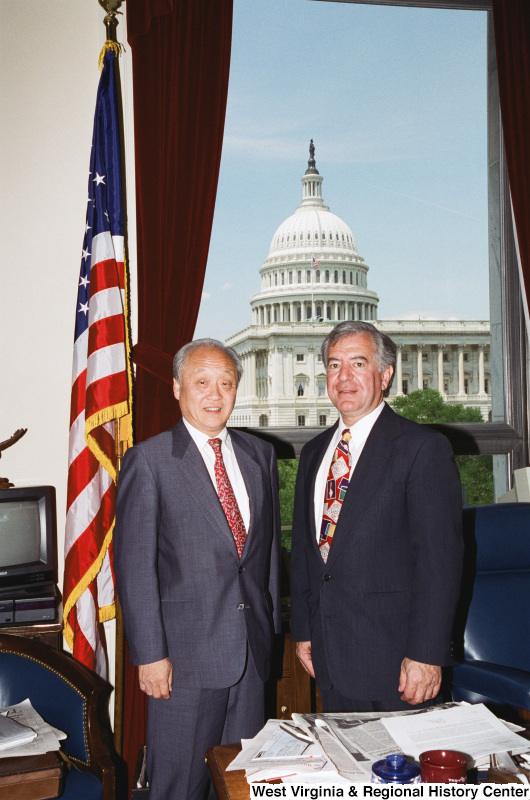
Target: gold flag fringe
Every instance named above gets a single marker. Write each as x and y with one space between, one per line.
109 45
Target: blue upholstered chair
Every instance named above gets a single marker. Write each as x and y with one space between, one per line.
493 623
69 697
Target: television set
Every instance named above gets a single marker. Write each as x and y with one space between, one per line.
28 540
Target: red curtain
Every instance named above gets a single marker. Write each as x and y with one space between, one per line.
181 59
511 21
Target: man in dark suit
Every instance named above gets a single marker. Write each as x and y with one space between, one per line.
377 544
197 572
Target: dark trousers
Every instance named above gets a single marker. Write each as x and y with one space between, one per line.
181 729
334 701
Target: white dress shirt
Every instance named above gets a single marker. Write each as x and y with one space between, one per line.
359 434
230 460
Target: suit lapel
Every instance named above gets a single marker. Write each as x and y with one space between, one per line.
193 478
368 478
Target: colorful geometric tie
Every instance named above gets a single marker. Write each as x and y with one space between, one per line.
228 498
336 484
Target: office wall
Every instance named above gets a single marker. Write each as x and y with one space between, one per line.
49 51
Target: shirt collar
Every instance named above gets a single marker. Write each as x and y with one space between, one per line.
361 429
201 439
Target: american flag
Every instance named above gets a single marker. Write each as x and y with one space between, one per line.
316 263
101 386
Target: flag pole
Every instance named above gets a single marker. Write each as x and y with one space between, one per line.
111 23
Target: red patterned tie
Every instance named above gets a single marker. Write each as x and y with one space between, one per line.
228 498
336 484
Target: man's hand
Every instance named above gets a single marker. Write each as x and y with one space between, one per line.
419 682
303 652
156 679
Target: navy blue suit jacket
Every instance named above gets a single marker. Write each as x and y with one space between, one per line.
392 579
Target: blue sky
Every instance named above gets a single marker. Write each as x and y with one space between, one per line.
395 101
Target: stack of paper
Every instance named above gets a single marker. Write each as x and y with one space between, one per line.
276 754
38 736
335 748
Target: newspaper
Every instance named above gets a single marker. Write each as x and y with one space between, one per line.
47 737
355 741
256 758
13 734
470 729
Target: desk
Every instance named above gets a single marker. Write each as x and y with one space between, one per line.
227 785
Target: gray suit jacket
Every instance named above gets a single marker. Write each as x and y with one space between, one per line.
183 590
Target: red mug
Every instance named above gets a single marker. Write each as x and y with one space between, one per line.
443 766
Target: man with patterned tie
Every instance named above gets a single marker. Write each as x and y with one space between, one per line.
377 543
197 570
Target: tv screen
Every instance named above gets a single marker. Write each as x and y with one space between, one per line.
28 539
20 532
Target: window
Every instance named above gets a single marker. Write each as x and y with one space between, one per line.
424 357
263 421
322 419
299 314
405 386
327 276
290 277
328 312
404 357
336 276
301 420
425 384
299 276
446 387
466 356
300 390
508 434
319 312
317 276
486 386
343 276
308 276
319 358
300 357
283 278
321 388
308 312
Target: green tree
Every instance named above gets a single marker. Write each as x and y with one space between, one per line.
427 405
287 469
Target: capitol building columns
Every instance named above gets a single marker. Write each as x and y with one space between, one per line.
481 377
398 383
461 384
441 369
420 366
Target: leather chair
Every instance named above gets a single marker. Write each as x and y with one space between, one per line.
492 641
68 696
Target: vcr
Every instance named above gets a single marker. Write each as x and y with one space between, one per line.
29 603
